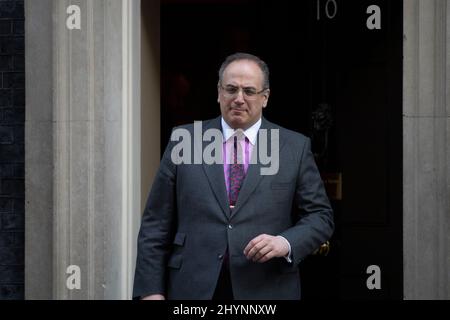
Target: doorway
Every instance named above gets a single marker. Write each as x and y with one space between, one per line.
332 79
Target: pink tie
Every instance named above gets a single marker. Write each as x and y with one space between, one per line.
237 175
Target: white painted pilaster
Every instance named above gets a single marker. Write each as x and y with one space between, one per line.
82 148
426 149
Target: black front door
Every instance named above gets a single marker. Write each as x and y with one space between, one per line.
336 76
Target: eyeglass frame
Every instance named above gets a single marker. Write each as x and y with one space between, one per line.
254 95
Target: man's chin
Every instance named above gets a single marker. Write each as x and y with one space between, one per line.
237 122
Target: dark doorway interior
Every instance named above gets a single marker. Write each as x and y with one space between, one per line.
332 79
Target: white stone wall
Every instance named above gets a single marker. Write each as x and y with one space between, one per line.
426 149
82 148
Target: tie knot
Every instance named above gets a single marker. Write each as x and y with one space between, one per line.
239 134
237 140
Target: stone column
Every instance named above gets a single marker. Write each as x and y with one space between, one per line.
426 149
82 148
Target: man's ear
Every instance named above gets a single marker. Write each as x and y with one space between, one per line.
218 92
266 95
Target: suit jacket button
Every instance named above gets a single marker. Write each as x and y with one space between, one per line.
230 226
220 256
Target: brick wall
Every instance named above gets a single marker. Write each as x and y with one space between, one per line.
12 153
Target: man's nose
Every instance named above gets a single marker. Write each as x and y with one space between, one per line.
239 97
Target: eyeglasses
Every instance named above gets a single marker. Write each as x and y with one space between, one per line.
249 93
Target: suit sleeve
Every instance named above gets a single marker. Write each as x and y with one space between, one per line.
156 231
314 223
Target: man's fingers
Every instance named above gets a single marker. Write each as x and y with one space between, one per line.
256 248
255 253
269 255
265 247
252 243
262 253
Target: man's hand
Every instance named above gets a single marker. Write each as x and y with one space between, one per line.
265 247
154 297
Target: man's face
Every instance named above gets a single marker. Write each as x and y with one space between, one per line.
240 97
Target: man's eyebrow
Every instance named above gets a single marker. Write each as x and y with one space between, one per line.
233 86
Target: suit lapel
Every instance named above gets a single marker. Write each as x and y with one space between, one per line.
215 173
254 176
216 176
250 183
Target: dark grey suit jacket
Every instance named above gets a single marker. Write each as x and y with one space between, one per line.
187 224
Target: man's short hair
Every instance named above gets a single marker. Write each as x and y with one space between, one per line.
246 56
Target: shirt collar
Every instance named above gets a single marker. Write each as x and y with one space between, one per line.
251 133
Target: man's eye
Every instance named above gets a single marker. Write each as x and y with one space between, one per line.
249 92
231 90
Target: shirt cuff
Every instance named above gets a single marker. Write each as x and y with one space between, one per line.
288 256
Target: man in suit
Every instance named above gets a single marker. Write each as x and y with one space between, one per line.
225 230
